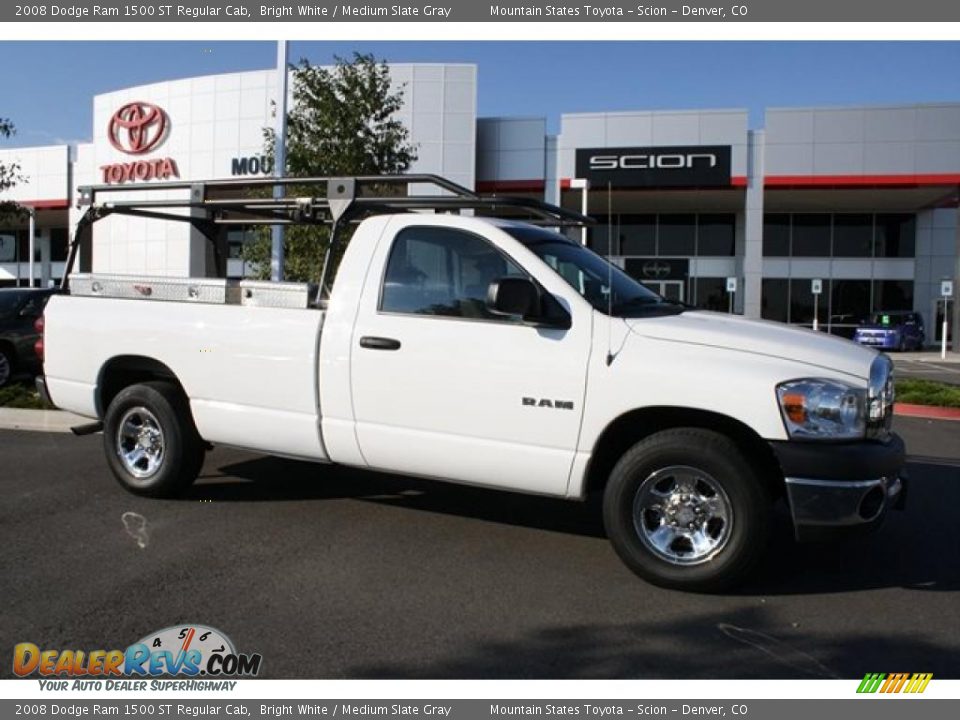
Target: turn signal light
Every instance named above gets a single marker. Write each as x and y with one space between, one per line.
794 409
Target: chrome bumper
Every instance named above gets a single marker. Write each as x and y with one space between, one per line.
821 506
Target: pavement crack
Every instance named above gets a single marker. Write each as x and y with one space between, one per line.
778 650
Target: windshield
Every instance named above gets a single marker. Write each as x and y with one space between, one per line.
602 284
887 319
9 301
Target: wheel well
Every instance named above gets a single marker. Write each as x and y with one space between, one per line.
126 370
632 427
7 345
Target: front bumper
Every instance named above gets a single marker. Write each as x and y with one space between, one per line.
838 488
884 342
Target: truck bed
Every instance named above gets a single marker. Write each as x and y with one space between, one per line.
249 370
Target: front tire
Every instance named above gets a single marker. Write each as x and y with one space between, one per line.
685 510
151 443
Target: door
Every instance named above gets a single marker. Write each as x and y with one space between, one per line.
443 388
671 290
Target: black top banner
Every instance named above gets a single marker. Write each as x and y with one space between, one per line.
652 167
473 11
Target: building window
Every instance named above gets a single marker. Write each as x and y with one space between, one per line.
8 246
236 239
677 235
776 235
638 234
716 235
669 235
598 239
802 304
896 236
892 295
710 293
775 299
811 236
59 240
852 235
849 304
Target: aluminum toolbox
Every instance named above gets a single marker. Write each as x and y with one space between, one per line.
260 293
142 287
254 293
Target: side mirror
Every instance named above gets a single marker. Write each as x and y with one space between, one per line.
513 296
521 296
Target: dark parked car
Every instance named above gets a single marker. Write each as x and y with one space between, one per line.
19 309
892 330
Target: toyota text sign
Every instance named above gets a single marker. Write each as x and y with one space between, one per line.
639 167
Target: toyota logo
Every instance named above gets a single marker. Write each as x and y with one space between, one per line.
656 269
137 128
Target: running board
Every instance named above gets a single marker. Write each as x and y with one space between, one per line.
88 429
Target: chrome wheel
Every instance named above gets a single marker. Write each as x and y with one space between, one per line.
682 515
140 445
6 369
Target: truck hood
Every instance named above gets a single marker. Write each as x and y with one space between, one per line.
758 337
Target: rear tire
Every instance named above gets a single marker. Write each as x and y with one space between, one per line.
151 443
685 510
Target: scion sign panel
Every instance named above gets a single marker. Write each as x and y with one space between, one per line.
637 167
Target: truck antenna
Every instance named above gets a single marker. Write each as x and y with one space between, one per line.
609 274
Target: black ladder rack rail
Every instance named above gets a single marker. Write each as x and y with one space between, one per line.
343 200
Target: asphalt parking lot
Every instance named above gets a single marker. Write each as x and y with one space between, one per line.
335 573
927 365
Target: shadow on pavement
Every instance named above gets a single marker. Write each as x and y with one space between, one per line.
275 479
738 644
916 548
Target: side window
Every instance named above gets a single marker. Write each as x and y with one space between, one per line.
442 271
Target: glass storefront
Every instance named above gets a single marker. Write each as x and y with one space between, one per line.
664 235
843 305
656 249
840 235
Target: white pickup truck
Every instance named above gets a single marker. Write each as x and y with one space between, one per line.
488 352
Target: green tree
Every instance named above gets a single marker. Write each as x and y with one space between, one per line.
342 122
9 173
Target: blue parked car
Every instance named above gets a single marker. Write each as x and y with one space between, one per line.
892 330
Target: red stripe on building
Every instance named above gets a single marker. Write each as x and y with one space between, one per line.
45 204
737 181
861 181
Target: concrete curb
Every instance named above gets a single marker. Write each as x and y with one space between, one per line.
56 421
929 412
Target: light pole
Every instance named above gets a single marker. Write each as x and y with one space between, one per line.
279 157
31 242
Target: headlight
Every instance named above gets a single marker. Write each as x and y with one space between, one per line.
820 409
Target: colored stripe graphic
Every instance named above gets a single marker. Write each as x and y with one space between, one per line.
871 681
894 683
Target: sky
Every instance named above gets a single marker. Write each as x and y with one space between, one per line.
47 88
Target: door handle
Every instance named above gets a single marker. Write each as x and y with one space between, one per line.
379 343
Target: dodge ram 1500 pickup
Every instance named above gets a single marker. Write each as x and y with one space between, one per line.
484 351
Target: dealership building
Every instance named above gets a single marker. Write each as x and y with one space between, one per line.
858 202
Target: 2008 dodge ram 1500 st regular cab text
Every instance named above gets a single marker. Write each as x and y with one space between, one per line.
494 353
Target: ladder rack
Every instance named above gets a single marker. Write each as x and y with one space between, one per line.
329 201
